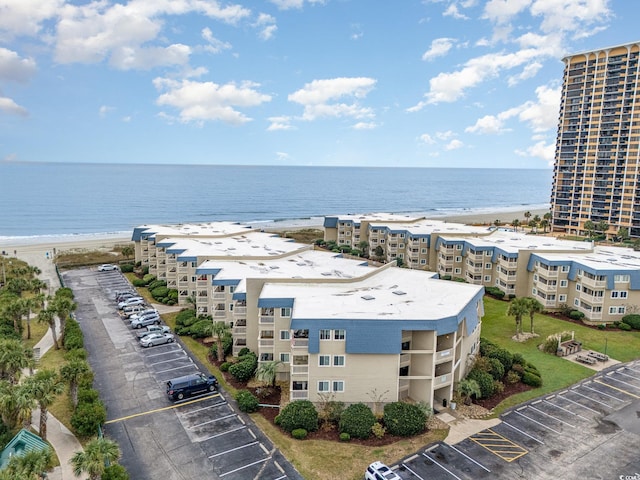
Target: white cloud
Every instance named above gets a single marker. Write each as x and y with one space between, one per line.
426 138
317 95
280 123
502 11
15 69
540 150
104 110
214 45
528 71
452 11
283 156
365 126
25 17
570 15
133 58
454 145
267 25
7 105
206 101
439 47
289 4
445 135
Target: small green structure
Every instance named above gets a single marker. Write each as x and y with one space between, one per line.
23 442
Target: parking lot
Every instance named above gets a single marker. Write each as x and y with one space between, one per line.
588 431
199 437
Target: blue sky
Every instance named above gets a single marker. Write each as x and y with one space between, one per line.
431 83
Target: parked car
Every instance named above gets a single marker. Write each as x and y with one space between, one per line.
379 471
129 302
153 329
121 296
156 339
144 321
107 267
194 384
145 311
134 309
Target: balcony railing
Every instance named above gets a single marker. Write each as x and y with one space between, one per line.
300 343
299 394
220 314
240 310
219 295
264 319
444 355
266 342
239 330
442 379
299 369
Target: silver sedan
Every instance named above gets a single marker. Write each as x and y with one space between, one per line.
156 339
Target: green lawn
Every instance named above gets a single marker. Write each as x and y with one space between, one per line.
557 373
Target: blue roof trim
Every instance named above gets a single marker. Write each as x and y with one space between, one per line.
225 282
384 336
207 271
330 222
498 250
550 263
137 233
186 258
177 251
275 302
165 244
240 296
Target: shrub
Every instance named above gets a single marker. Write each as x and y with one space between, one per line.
330 411
298 414
633 320
138 282
426 409
87 395
404 419
485 382
576 315
299 433
76 354
200 329
495 292
504 356
498 386
378 430
551 344
513 377
126 268
227 345
224 367
73 338
115 472
156 284
497 369
529 378
159 292
247 402
148 278
357 420
624 326
345 437
244 370
88 417
185 314
243 351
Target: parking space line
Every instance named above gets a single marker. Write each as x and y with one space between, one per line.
224 433
523 432
564 409
616 388
442 467
245 466
603 393
233 449
578 404
622 381
190 365
414 473
465 455
619 371
591 399
148 412
499 445
163 353
215 405
213 420
164 361
539 423
550 416
632 369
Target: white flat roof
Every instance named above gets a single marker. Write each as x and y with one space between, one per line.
426 227
211 229
514 242
251 244
310 264
389 293
602 258
377 217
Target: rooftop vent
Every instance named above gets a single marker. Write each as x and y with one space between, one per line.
399 292
368 297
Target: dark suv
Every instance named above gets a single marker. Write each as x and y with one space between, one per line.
178 388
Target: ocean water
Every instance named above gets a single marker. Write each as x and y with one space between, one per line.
45 200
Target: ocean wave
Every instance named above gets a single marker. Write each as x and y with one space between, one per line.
62 238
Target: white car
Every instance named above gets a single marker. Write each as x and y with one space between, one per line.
379 471
107 267
156 339
129 302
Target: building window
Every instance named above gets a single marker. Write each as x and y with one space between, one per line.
423 250
458 247
621 278
487 278
618 294
324 360
562 298
458 259
576 302
534 291
423 262
323 386
232 288
563 284
285 312
338 385
325 334
406 345
565 268
231 307
338 360
404 371
285 335
578 287
617 310
487 266
284 357
339 334
487 253
457 270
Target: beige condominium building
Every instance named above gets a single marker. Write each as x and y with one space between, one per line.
340 327
601 282
596 174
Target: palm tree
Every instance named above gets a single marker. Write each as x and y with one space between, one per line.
15 309
589 227
45 386
544 224
48 316
267 371
8 404
602 227
32 303
31 465
25 404
515 223
62 305
95 457
533 306
127 251
14 356
220 330
527 215
73 372
517 308
467 388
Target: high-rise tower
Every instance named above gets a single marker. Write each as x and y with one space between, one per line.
596 174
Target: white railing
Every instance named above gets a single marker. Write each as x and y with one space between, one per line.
264 319
442 379
219 295
300 343
299 369
299 394
240 310
239 331
267 342
220 314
